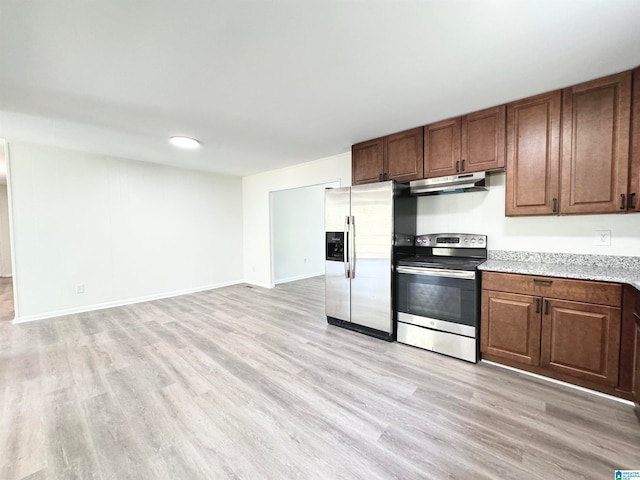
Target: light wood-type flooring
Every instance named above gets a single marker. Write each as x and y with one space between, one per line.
250 383
6 298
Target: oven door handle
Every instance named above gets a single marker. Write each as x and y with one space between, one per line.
438 272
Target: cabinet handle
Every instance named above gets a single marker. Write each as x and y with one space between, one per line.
386 176
457 166
542 282
546 307
463 164
555 205
380 177
623 205
631 197
538 305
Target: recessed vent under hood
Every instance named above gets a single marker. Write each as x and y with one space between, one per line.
465 182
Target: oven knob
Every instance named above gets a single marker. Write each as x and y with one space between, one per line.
480 240
466 240
473 240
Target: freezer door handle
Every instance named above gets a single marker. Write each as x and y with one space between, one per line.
345 251
352 248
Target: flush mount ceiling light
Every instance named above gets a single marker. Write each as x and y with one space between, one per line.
184 142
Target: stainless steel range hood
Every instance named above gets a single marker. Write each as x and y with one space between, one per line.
465 182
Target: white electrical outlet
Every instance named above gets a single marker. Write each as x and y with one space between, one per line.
80 288
603 238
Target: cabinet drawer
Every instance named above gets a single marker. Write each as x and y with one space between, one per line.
587 291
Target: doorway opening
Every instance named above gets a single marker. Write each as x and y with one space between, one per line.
297 232
7 308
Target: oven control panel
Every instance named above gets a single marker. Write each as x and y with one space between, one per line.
452 240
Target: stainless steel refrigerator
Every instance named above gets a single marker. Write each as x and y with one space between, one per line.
366 228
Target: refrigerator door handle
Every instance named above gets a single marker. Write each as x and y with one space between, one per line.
345 252
352 249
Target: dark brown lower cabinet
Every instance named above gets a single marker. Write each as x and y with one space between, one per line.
635 389
630 366
512 326
581 340
552 327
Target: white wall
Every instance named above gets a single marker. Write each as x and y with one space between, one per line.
255 193
297 223
483 212
5 242
5 236
127 230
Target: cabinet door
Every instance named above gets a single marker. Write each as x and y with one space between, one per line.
635 389
367 165
633 197
483 140
581 340
403 157
442 148
533 155
510 326
629 316
595 145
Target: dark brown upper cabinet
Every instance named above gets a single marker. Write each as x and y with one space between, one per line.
533 155
394 157
575 151
483 143
471 143
403 155
367 162
442 148
633 193
595 145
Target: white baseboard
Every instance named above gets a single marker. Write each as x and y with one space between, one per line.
298 277
260 284
119 303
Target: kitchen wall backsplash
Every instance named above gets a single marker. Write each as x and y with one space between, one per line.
483 213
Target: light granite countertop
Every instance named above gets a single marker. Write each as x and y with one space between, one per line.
584 267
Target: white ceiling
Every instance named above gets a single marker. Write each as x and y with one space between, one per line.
269 83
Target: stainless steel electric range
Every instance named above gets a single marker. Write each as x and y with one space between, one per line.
438 294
